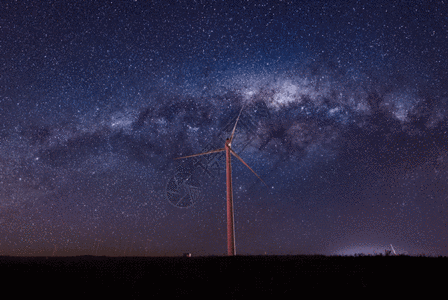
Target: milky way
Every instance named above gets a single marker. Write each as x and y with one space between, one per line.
344 117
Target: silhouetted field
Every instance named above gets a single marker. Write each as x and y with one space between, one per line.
237 276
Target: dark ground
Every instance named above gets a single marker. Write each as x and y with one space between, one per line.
237 277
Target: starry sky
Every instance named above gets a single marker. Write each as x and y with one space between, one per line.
344 111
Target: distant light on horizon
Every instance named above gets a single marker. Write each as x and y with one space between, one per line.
377 249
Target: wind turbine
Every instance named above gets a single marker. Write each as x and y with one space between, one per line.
230 216
395 253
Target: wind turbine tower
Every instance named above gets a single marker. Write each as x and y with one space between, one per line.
230 214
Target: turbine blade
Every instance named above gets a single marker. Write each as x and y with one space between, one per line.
234 127
237 156
209 152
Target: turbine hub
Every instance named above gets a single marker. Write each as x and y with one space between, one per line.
228 142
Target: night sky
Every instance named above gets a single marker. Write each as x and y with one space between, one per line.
344 117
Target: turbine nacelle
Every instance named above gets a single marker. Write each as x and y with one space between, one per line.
228 142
